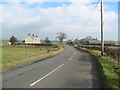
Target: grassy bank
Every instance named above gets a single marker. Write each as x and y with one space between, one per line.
110 75
13 56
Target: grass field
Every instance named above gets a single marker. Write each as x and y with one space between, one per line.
13 56
117 42
3 43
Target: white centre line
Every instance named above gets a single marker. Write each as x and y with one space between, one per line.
72 56
45 76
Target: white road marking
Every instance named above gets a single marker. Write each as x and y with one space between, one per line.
45 76
72 56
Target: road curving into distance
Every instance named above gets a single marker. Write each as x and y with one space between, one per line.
71 69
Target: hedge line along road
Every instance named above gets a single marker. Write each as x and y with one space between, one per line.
72 68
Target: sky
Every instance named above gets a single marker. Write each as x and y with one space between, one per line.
46 19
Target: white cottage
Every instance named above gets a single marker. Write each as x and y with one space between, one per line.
32 39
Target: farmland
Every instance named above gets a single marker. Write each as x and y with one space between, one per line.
13 56
3 43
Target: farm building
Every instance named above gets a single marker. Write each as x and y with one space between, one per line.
32 39
91 41
76 41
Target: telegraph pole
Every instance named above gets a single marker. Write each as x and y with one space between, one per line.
102 30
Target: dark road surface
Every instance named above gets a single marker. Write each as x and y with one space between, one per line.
71 69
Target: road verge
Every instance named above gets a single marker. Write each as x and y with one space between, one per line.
110 75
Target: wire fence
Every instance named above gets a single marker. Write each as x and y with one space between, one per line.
13 53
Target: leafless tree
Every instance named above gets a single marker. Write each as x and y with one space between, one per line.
61 36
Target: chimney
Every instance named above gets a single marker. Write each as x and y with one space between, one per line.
28 34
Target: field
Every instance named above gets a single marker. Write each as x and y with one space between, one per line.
3 43
117 42
13 56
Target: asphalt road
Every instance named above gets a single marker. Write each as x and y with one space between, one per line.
70 69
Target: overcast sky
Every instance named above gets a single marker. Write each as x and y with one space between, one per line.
48 18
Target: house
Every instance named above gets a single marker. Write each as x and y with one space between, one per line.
32 39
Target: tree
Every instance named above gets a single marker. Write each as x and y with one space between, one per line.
13 39
47 41
61 36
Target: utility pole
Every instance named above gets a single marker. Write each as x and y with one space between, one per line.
102 30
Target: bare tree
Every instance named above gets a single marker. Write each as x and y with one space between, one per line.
61 36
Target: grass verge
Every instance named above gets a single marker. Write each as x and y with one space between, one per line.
110 75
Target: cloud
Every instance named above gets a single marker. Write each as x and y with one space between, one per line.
19 19
58 0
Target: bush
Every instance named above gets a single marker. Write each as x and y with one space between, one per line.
113 52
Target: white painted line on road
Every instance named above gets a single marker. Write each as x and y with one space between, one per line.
45 76
72 56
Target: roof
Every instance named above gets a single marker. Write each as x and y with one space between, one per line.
88 38
34 37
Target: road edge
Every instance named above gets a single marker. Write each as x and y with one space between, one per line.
98 70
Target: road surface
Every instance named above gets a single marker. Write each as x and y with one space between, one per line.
72 68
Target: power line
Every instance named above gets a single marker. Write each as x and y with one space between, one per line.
89 18
91 15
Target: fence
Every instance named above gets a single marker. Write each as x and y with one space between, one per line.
15 53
